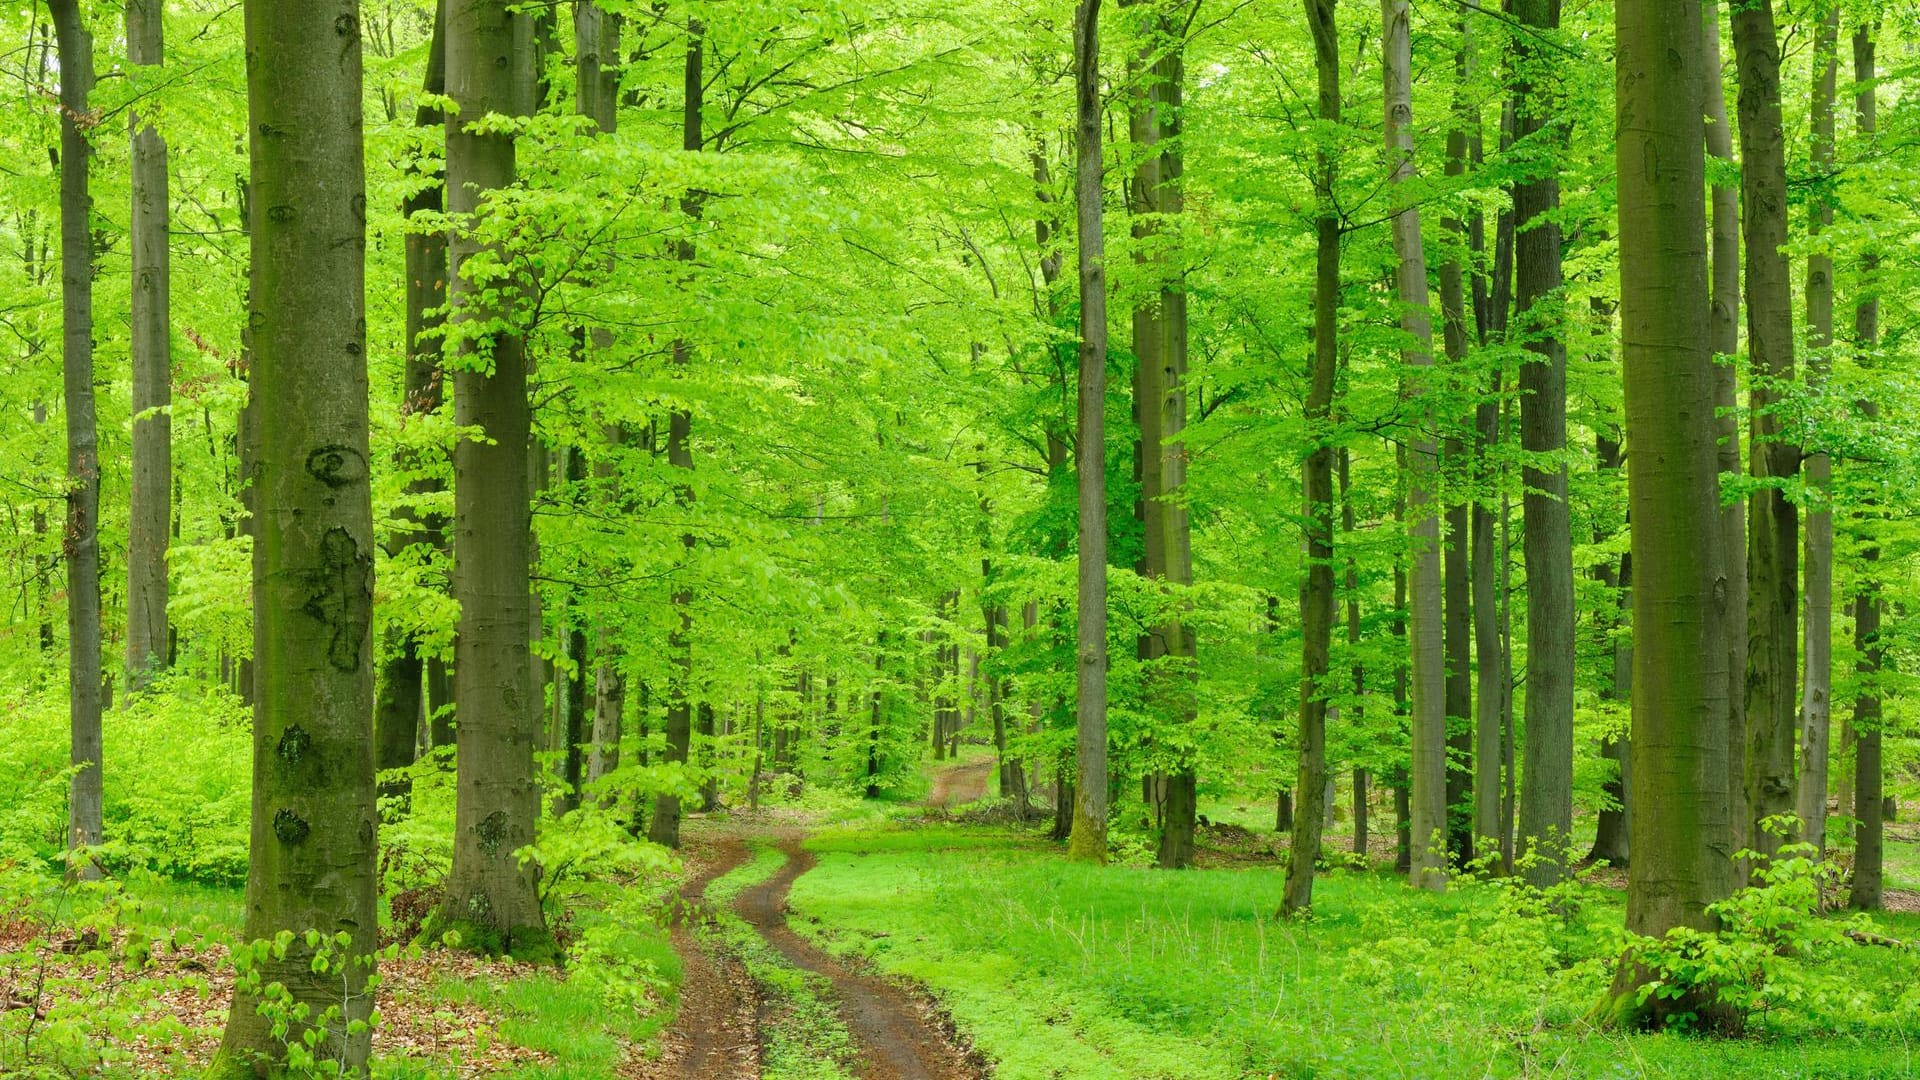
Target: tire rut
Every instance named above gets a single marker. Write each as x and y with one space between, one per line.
715 1034
901 1035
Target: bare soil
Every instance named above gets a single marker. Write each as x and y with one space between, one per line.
715 1034
959 785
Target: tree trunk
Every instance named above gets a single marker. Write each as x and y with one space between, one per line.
397 708
150 522
1089 840
82 540
1457 463
1724 322
665 828
1429 772
312 853
1360 776
490 893
1869 852
1546 802
1611 840
1817 686
1681 838
1316 484
1772 523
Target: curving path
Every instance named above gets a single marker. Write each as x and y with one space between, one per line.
716 1034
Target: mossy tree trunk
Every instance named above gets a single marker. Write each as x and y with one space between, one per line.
491 896
1681 837
82 540
312 854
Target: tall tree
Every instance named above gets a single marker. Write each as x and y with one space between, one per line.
1869 856
1681 838
397 709
1817 685
82 541
1457 460
150 524
312 862
490 893
1546 800
1773 626
665 828
1088 841
1429 772
1316 477
1724 321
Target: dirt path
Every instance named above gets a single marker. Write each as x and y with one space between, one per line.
958 785
902 1034
715 1034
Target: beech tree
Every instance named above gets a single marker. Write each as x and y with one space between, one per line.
312 854
150 524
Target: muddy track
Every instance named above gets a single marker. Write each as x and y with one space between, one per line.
715 1033
960 784
902 1034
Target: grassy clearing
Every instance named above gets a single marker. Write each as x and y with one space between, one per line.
1064 971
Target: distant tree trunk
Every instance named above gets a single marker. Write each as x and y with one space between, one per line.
1772 523
710 758
397 708
1360 775
1546 802
1681 835
679 721
1429 772
1611 828
312 853
1316 483
150 523
1817 689
1089 840
82 540
1457 462
1869 851
490 894
1724 322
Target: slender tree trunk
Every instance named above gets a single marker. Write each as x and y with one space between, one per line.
312 855
1429 772
490 893
1869 852
1724 322
397 708
1457 462
150 523
82 540
1681 838
679 721
1546 801
1360 776
1817 686
1316 484
1772 522
1611 842
1089 840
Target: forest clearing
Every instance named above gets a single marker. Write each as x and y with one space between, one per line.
894 539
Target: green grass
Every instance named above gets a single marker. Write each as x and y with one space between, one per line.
1065 971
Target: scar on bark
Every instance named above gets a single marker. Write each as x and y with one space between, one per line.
341 595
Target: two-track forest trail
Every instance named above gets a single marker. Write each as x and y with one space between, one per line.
743 966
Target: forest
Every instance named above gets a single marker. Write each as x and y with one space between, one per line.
893 539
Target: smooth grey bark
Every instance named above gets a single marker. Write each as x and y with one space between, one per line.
1681 835
313 854
1316 483
1773 613
150 522
1817 684
490 893
1428 668
1724 322
1546 800
1088 841
82 539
